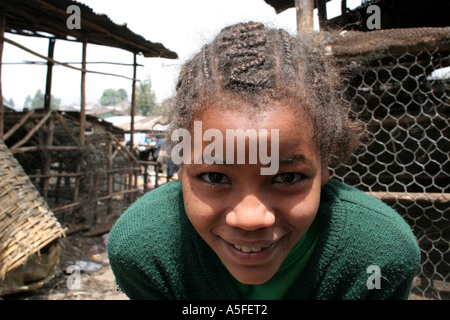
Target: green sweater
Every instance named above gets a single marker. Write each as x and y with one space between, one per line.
155 253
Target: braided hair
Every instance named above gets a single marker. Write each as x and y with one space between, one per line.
250 65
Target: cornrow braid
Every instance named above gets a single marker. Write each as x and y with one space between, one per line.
251 65
242 51
205 63
286 46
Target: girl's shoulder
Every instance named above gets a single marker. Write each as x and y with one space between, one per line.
370 227
360 204
151 226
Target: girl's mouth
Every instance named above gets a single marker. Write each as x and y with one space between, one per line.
251 254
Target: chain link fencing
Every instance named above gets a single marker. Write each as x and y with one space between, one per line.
399 87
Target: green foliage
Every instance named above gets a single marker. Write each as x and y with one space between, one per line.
37 102
145 98
111 97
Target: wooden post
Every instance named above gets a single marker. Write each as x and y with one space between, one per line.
322 8
83 95
2 32
133 103
110 181
48 158
48 85
343 7
133 111
76 191
305 22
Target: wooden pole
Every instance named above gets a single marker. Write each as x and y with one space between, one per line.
76 191
305 22
2 32
110 181
133 103
83 95
48 158
322 9
48 85
343 7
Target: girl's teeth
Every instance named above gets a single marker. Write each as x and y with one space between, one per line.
247 249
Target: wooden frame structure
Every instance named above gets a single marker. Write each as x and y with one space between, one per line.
51 138
41 18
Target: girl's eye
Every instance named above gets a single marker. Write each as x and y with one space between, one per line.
214 178
288 178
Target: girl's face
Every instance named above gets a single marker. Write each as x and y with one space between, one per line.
252 221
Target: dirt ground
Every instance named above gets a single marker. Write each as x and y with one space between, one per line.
94 285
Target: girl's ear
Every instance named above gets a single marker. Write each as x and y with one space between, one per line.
325 174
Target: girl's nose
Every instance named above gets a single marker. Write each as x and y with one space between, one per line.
250 214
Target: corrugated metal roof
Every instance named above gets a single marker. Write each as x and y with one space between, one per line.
141 123
34 17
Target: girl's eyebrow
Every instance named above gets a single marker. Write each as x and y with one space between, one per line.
294 159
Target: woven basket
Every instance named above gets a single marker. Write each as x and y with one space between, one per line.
26 223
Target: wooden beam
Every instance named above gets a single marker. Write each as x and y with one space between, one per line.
412 196
66 129
32 131
18 125
305 22
18 45
48 85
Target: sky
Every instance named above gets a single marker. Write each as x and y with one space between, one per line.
181 26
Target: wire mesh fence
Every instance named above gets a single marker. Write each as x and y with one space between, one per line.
401 91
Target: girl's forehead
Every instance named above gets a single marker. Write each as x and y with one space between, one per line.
294 130
277 115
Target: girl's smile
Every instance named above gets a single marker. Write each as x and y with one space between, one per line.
252 221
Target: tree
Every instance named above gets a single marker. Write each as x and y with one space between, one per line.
38 101
10 102
145 98
112 97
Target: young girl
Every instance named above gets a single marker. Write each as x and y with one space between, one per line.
242 225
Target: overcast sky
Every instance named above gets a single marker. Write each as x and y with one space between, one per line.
181 26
